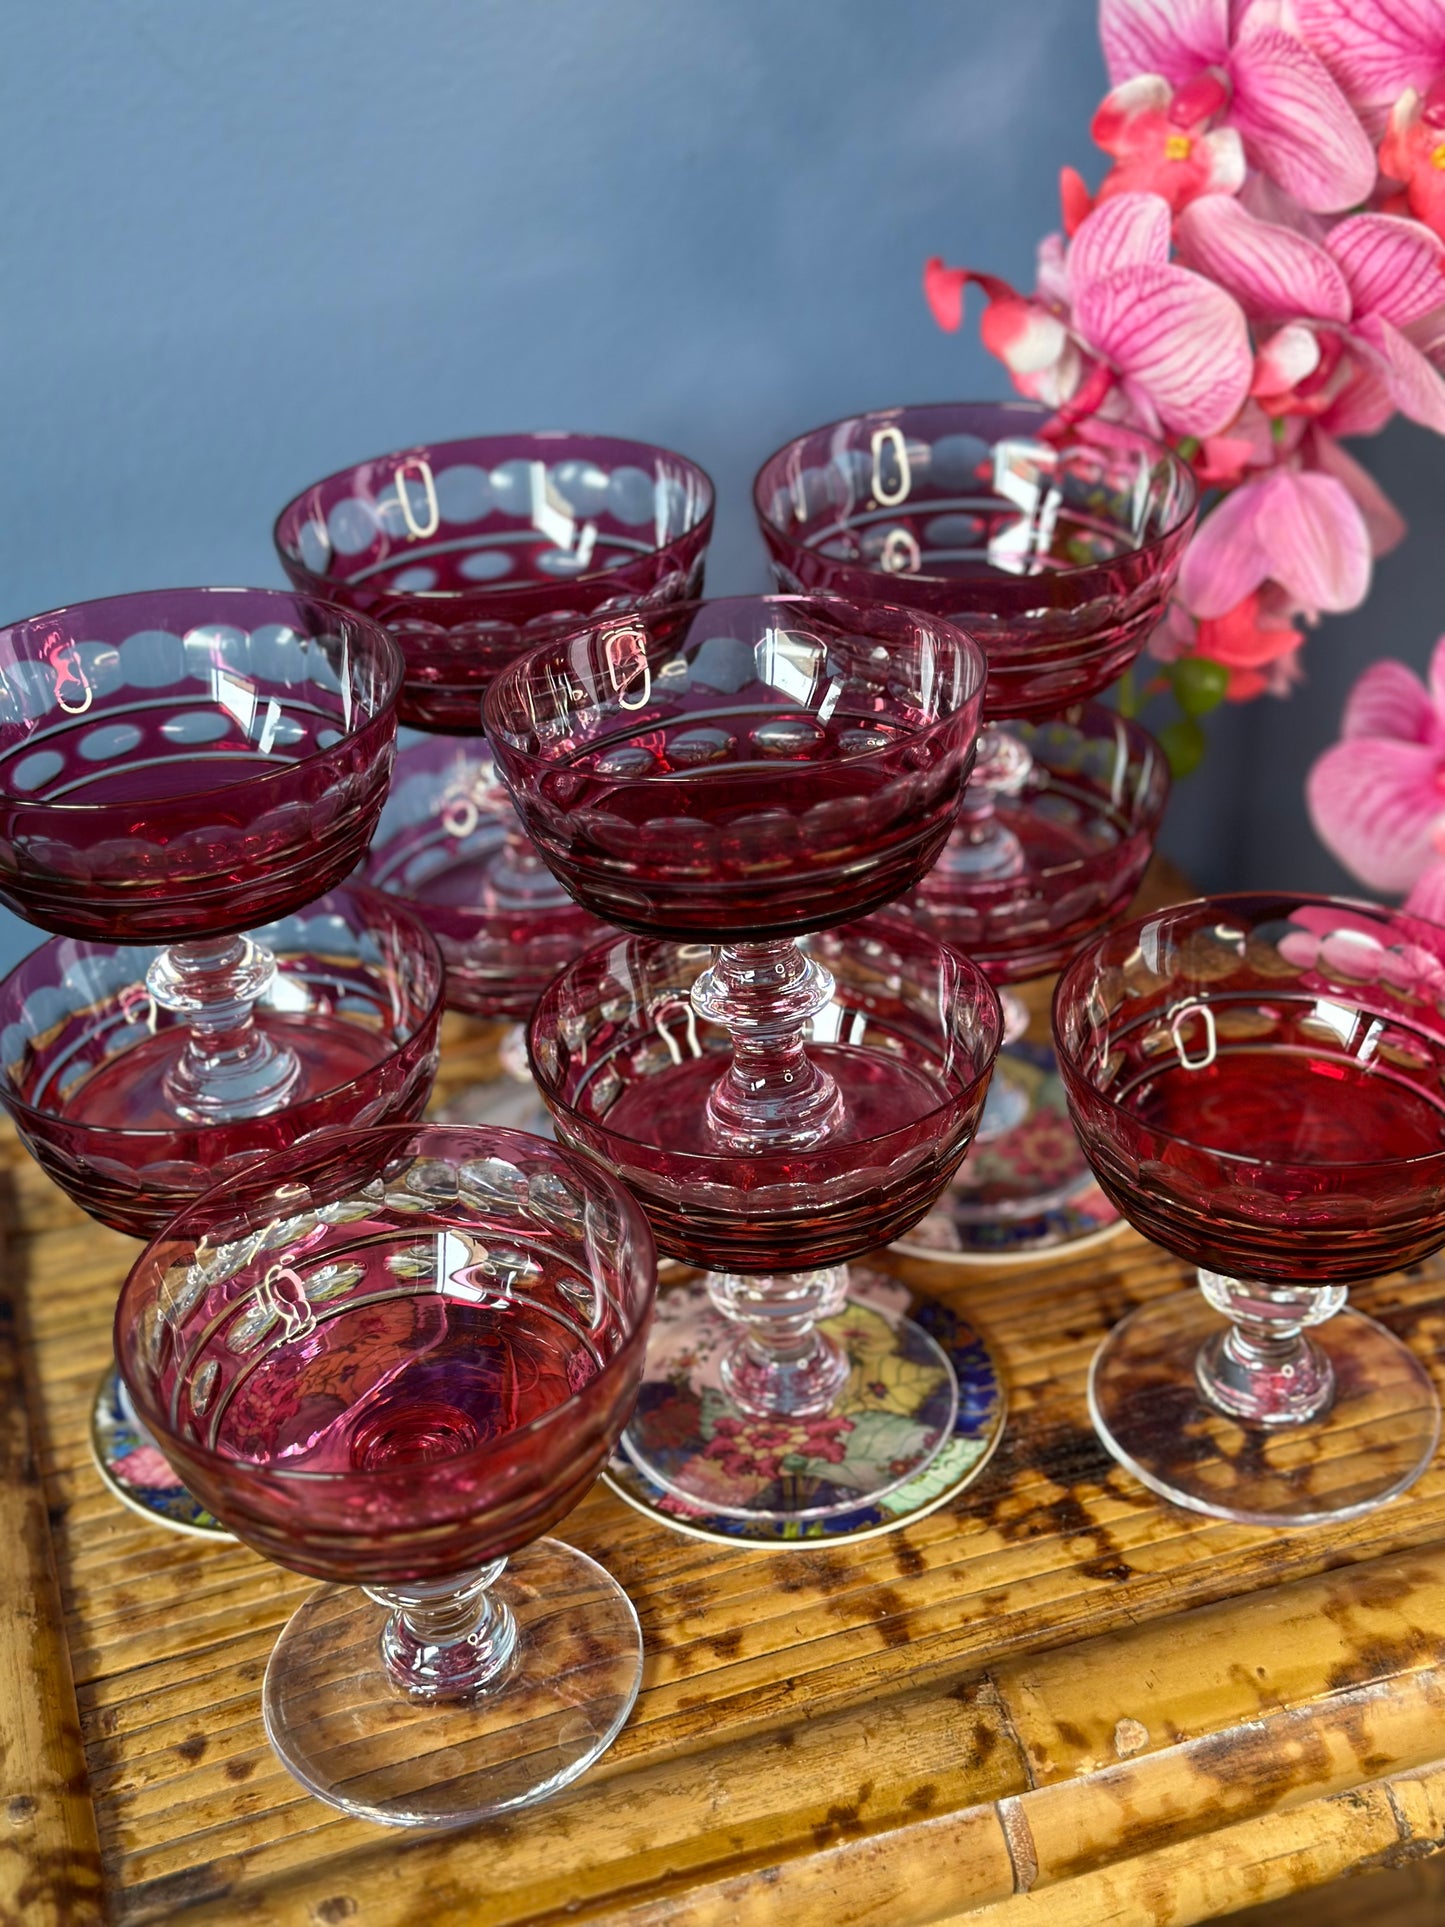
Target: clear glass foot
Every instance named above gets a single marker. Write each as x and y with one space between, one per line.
436 1706
1287 1414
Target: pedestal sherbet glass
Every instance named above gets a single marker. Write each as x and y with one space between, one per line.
396 1373
470 553
907 1039
357 996
1055 545
1256 1081
1088 813
177 767
742 772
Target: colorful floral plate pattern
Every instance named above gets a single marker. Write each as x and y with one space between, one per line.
890 1413
1026 1194
131 1464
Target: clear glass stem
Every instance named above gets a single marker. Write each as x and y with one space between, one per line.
520 878
983 846
772 1097
780 1365
1264 1368
229 1068
448 1639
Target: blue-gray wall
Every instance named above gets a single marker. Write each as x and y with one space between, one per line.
244 245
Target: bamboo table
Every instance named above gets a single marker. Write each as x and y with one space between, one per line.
1056 1701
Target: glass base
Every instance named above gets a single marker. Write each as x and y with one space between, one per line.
977 1427
1025 1192
354 1740
894 1415
1373 1442
135 1472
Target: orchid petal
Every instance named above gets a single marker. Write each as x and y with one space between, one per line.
1175 337
1227 166
1437 687
1375 48
1395 267
1316 540
1414 383
1389 703
1297 125
943 287
1224 562
1024 336
1126 231
1272 272
1383 521
1427 899
1143 94
1170 37
1362 404
1376 806
1291 355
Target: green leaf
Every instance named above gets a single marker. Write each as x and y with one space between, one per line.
1199 684
1183 742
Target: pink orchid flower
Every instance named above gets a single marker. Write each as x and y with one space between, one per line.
1169 342
1279 97
1256 641
1376 49
1367 301
1413 153
1296 528
1377 798
1161 142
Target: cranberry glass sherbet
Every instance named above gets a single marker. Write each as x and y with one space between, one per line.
396 1370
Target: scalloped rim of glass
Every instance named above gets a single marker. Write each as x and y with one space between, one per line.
480 590
887 926
1029 411
390 656
21 1107
631 1210
970 656
1355 906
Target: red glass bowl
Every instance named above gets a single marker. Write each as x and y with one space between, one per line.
83 1050
1057 553
737 770
188 762
911 1035
442 846
1257 1083
472 552
1085 821
388 1244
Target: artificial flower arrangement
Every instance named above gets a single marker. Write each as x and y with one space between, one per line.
1259 276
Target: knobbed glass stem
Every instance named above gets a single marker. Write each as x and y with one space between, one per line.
229 1068
982 846
448 1639
773 1097
780 1365
1264 1368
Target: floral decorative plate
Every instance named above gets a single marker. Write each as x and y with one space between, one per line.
131 1464
1026 1194
889 1416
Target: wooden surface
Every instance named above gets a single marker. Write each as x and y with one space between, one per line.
1055 1701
